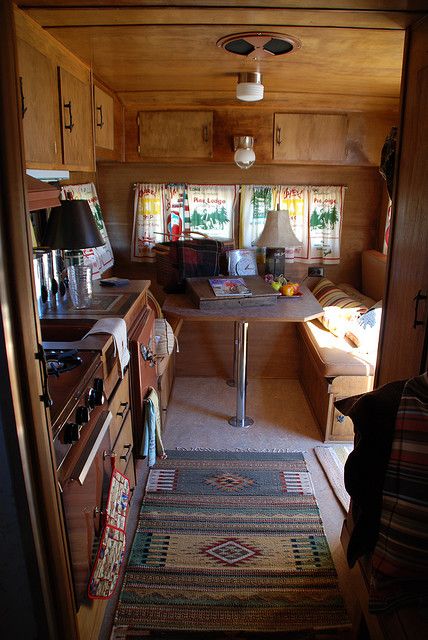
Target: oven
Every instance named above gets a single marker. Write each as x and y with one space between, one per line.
81 421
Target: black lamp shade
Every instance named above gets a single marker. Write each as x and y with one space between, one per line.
72 226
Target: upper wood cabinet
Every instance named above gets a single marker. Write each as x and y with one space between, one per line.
56 101
76 120
39 107
175 134
310 137
104 119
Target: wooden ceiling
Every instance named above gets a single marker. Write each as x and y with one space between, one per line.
160 54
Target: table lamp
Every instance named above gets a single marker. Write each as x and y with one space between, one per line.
280 241
72 227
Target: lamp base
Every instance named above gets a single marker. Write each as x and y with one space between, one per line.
275 261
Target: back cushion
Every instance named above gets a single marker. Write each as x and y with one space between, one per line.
339 308
364 331
329 295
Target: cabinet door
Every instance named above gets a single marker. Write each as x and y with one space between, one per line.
104 119
143 373
76 116
310 137
404 336
175 134
39 107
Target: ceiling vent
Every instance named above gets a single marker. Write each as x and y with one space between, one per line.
258 45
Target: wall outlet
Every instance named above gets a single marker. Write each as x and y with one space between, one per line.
315 272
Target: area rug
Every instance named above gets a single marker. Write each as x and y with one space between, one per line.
332 460
230 542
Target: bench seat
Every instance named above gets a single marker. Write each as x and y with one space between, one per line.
335 356
332 368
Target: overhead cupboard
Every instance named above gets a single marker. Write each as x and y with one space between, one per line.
104 118
56 102
175 134
310 137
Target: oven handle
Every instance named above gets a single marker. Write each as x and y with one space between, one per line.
83 465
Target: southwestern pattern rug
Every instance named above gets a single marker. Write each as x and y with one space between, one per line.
230 542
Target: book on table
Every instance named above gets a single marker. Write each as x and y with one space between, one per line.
229 287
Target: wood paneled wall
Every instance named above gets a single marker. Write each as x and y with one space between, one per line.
362 211
273 351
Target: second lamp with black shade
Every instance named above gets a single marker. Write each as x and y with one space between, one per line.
72 228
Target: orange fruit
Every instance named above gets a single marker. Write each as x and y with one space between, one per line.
287 290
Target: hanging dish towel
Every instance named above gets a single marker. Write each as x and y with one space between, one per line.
152 445
117 328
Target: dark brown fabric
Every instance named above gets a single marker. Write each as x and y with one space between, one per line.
373 415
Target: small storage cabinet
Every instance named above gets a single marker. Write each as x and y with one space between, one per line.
175 134
39 107
76 120
104 119
310 137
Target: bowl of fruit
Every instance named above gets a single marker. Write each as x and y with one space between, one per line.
283 286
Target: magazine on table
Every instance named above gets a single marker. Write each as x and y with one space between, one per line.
229 287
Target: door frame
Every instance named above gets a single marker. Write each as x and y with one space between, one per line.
27 427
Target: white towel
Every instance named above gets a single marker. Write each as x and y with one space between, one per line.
117 328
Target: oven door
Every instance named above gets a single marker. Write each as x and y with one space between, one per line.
85 486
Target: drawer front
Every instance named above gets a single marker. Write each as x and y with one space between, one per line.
123 446
119 407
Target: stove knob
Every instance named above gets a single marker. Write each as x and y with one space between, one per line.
71 432
90 400
82 415
99 391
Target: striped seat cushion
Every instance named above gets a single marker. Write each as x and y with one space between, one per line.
339 308
400 558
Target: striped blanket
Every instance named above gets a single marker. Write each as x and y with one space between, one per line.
400 559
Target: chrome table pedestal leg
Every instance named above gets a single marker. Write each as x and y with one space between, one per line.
232 381
241 345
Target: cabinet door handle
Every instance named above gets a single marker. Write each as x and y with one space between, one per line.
100 124
21 89
125 406
278 135
418 297
70 124
128 452
205 133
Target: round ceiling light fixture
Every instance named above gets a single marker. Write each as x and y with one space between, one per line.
258 45
250 87
244 153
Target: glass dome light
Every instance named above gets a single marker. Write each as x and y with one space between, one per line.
244 153
250 87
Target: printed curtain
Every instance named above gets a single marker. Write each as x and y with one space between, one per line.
295 199
176 210
99 258
315 216
256 201
211 209
325 223
148 228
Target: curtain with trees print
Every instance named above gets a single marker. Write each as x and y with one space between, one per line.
99 258
148 224
211 209
164 211
256 201
325 224
315 217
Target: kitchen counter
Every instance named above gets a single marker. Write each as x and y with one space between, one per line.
61 321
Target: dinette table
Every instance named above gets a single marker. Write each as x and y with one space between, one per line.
303 309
